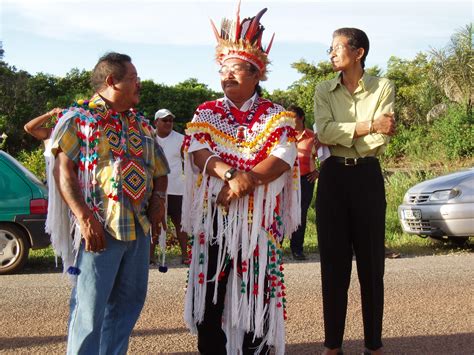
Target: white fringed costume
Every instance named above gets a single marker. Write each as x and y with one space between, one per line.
249 235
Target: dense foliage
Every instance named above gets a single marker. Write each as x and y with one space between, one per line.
433 102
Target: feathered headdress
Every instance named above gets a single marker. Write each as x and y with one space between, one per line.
243 40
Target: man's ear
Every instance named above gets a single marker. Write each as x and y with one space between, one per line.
360 53
109 80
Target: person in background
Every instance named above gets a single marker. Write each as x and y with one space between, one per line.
308 176
354 117
37 126
111 174
171 142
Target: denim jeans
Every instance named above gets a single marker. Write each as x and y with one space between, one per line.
109 296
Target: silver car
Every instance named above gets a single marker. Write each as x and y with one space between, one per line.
441 208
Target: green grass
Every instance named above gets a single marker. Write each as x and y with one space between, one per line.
397 183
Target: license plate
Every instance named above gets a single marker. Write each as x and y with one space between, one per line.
412 214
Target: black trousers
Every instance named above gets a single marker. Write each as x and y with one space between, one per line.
211 336
350 218
297 238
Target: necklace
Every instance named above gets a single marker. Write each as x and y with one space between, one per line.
249 117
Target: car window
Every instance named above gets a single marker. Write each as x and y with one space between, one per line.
28 173
13 187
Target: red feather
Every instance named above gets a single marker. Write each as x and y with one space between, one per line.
270 45
215 31
237 23
254 25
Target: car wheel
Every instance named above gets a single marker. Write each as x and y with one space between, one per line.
14 248
459 241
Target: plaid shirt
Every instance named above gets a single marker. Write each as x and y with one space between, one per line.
119 216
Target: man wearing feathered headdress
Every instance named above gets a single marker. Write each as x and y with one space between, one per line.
241 198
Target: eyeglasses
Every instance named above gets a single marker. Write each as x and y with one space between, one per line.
132 79
166 119
234 69
337 48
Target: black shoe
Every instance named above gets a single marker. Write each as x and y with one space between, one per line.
299 256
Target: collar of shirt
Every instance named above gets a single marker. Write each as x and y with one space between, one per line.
102 106
99 101
337 81
306 133
245 107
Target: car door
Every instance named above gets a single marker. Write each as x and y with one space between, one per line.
15 193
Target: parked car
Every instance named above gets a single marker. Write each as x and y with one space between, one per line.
23 209
441 208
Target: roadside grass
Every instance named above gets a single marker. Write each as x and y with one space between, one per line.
397 182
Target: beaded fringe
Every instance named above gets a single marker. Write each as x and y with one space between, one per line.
255 298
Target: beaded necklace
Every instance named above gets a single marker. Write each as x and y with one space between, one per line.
249 117
123 151
127 173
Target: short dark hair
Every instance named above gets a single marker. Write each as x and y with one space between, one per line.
298 110
356 39
111 63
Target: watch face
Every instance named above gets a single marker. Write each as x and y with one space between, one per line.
229 174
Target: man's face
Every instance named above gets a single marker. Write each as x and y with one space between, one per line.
299 122
237 80
342 55
129 87
164 125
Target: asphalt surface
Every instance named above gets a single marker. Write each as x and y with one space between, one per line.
429 309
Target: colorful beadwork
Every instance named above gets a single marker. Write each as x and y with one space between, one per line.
134 180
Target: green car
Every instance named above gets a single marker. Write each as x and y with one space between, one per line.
23 209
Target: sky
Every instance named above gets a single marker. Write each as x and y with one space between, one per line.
171 41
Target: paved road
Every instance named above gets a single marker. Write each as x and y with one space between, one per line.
429 310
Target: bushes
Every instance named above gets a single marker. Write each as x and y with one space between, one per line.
34 161
454 133
450 137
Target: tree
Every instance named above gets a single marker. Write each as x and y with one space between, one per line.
415 92
452 68
14 104
301 92
181 99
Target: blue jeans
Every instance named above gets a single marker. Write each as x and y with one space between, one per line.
109 296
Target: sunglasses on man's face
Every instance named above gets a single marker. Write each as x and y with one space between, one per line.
166 120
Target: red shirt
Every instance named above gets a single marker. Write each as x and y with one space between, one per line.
306 152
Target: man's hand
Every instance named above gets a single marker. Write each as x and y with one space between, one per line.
65 175
157 216
312 176
242 184
385 124
225 197
92 233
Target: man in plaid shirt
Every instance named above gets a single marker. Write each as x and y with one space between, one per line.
113 177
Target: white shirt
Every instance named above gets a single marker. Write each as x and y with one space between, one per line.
172 148
245 107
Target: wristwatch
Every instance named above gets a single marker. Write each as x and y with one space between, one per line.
160 194
229 174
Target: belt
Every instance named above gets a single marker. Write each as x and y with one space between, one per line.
353 161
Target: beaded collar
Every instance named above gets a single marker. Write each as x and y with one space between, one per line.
249 116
